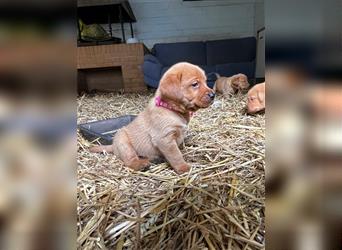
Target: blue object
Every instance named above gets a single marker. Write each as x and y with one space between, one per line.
225 57
104 130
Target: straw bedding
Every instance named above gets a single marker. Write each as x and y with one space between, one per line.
218 205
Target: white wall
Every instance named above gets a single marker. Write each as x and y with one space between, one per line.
161 21
259 22
176 20
259 15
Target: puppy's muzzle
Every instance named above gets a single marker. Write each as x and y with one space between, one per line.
211 95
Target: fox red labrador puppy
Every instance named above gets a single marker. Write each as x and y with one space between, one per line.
256 98
230 85
160 128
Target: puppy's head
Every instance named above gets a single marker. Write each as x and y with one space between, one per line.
240 82
185 85
256 99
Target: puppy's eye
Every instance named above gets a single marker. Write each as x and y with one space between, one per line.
195 84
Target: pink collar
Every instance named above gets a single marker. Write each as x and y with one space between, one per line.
160 103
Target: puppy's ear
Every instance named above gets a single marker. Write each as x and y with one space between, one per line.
261 96
170 86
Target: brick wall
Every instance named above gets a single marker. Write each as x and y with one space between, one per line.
129 57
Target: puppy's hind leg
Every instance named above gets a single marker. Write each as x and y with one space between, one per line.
126 152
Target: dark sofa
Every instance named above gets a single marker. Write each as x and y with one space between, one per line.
225 57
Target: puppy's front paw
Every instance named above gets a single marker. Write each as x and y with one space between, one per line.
182 168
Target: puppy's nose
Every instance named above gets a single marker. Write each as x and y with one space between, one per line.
211 95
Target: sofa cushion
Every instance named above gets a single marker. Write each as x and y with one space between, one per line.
164 69
151 58
231 50
208 68
171 53
229 69
152 69
151 82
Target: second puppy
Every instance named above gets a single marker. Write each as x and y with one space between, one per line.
231 85
256 98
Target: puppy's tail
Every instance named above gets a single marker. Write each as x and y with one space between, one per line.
102 148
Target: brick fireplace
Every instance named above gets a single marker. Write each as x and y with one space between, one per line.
114 67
